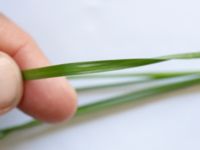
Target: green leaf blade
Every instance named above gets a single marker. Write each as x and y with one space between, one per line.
85 68
140 94
110 102
98 66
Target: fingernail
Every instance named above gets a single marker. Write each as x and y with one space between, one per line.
11 83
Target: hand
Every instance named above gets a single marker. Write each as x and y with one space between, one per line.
49 100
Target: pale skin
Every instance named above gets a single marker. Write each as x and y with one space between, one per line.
49 100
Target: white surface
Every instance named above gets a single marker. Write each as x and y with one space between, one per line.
103 29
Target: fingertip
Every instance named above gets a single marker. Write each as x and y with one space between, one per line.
67 107
54 100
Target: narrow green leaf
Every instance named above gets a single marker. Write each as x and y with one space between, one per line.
85 68
7 131
151 75
191 55
98 66
140 94
110 102
110 85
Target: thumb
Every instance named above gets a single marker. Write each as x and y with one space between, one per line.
11 83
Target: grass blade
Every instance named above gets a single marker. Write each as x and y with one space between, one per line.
110 85
85 68
7 131
98 66
140 94
107 103
151 75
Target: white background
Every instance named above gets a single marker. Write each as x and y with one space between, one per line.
69 31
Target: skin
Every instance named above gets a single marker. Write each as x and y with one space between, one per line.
11 83
50 100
